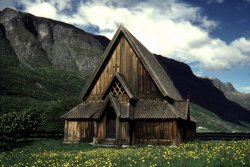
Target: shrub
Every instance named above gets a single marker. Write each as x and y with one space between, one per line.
18 122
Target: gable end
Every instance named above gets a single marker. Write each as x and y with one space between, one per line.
152 66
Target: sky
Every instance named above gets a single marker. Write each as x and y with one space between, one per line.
212 36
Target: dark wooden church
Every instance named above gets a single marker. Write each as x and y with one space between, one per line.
129 99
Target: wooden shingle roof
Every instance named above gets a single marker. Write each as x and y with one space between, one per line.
84 111
182 107
159 76
143 109
154 109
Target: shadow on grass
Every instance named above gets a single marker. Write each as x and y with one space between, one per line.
46 144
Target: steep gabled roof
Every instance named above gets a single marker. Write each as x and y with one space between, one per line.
124 84
159 76
114 102
121 110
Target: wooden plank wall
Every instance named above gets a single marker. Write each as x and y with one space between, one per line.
132 70
86 130
155 132
124 131
186 130
101 132
76 131
71 132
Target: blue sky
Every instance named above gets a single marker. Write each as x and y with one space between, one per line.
212 36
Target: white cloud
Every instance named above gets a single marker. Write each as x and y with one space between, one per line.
173 32
242 44
207 24
216 54
245 89
43 9
172 28
61 4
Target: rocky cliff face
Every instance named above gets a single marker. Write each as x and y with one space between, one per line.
231 93
224 87
5 48
40 41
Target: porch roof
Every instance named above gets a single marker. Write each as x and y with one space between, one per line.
143 109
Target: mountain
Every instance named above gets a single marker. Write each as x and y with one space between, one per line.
202 92
231 93
38 41
45 63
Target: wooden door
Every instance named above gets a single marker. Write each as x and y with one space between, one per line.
111 123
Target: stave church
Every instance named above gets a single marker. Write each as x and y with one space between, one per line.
129 99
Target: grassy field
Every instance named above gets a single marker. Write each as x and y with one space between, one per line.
55 153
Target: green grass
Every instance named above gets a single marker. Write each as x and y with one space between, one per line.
55 153
46 90
43 83
207 121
